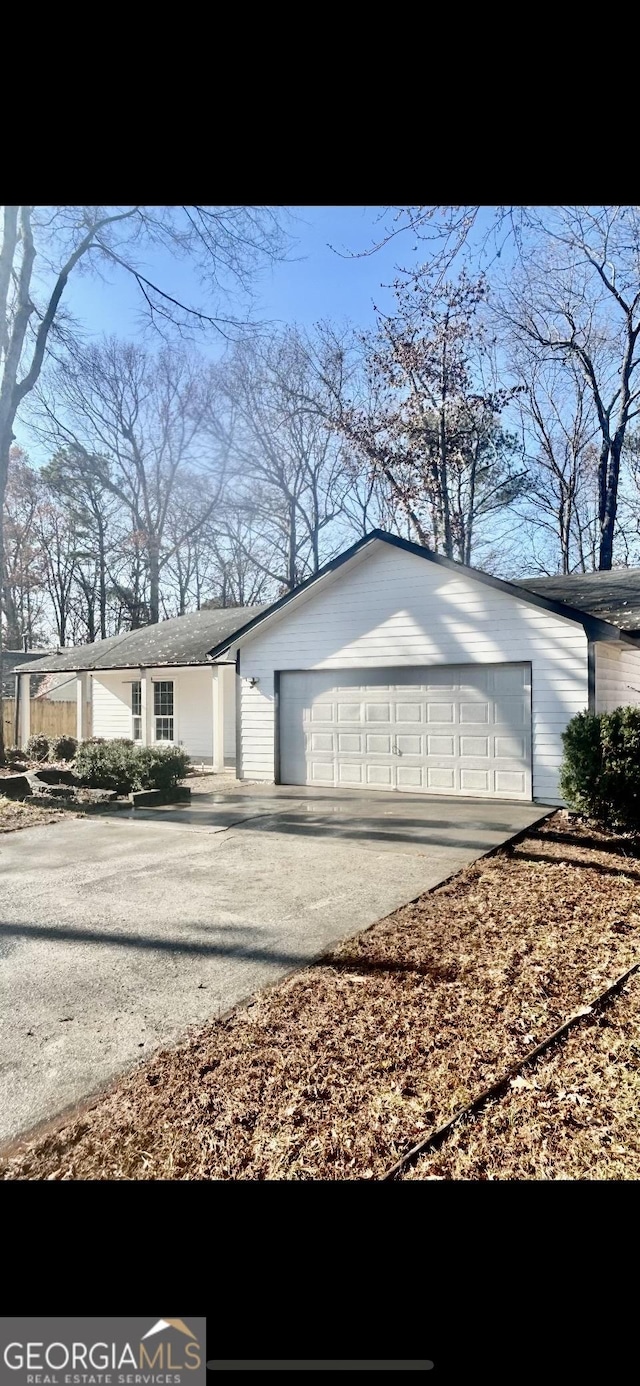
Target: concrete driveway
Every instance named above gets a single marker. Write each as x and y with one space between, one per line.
119 933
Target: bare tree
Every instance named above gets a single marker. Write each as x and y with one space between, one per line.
431 428
57 539
558 430
276 425
42 247
146 415
23 571
240 552
576 296
81 482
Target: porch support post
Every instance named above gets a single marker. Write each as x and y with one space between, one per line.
218 720
82 696
24 729
146 707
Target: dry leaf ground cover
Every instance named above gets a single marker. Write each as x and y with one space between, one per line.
573 1115
338 1070
14 814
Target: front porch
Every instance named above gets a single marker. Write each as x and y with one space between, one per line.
192 706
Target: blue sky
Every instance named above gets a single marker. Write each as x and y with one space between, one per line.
316 282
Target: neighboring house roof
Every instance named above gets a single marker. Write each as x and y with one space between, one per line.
58 688
16 658
596 627
613 596
178 641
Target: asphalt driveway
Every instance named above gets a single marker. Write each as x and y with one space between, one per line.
119 933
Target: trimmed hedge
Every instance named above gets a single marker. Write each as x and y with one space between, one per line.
600 773
122 766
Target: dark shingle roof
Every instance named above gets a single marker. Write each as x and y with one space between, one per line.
612 596
12 659
181 640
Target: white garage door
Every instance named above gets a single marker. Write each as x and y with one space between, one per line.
457 729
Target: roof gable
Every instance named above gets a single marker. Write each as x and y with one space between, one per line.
596 628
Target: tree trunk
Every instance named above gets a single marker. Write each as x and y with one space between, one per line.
444 485
102 584
608 519
154 581
291 564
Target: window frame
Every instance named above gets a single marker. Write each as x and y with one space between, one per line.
136 715
169 717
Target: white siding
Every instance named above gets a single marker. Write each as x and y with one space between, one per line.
617 677
111 704
193 706
193 709
393 607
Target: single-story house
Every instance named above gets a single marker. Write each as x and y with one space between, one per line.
392 668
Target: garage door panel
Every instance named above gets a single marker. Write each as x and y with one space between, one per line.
510 747
475 781
440 712
474 746
409 712
510 782
461 729
322 712
410 745
379 775
350 743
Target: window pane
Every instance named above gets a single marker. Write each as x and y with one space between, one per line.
164 728
136 698
137 728
163 698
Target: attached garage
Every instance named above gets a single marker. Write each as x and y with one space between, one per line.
395 668
458 729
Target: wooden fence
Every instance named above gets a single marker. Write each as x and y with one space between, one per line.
53 719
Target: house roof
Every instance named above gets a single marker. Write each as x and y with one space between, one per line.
613 596
596 627
12 659
178 641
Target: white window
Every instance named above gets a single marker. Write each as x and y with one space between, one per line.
136 710
163 709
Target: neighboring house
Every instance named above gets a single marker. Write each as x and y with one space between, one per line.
11 661
393 668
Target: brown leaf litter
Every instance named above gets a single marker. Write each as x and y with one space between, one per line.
340 1069
14 814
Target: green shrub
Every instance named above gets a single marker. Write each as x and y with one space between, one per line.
600 773
106 764
63 748
160 767
37 747
122 766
